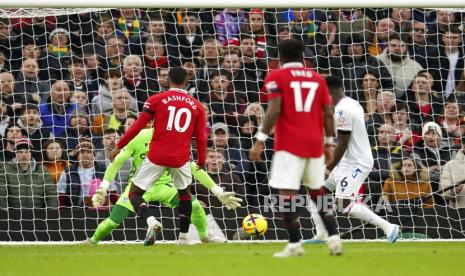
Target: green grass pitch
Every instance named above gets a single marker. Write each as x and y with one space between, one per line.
403 258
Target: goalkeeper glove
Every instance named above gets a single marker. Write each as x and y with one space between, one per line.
228 199
99 197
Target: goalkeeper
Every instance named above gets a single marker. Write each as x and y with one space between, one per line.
162 191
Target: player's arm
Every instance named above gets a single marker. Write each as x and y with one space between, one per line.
343 137
144 118
112 170
228 199
328 120
201 137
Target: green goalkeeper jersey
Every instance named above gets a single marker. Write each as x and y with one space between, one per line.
137 150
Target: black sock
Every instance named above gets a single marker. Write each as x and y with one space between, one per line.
326 213
185 210
140 206
291 218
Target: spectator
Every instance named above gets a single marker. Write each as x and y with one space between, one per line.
384 28
384 104
385 153
156 29
242 84
368 93
354 63
402 68
136 82
419 46
4 118
444 20
115 52
452 173
228 24
9 43
446 62
54 159
354 21
255 109
422 102
104 28
402 17
452 122
12 133
80 99
405 135
28 81
154 57
31 124
224 178
235 158
224 103
408 181
162 80
58 54
253 67
129 26
128 123
110 137
79 81
259 31
189 39
25 183
189 66
78 130
103 103
302 24
83 175
209 61
114 118
432 155
14 101
57 110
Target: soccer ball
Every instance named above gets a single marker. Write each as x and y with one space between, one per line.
255 225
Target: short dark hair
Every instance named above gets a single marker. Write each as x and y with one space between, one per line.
110 131
221 72
177 75
291 50
453 29
335 85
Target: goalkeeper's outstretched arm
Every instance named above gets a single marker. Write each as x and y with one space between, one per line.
228 199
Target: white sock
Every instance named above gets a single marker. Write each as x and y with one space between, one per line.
361 212
183 235
319 225
151 220
293 244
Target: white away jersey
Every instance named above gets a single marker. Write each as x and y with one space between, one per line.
349 116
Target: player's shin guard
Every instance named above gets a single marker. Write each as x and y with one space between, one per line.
185 211
326 212
290 217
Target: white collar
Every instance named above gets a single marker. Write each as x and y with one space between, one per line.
293 65
178 90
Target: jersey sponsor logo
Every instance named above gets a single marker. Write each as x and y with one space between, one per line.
355 173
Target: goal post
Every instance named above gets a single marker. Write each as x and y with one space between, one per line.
112 55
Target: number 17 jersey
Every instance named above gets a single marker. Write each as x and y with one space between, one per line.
177 117
303 92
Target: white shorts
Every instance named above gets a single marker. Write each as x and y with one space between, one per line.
347 180
149 173
288 171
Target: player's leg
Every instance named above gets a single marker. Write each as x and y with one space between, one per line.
106 227
314 179
147 174
182 177
286 173
349 179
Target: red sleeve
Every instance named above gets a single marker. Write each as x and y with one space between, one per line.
138 125
201 137
272 86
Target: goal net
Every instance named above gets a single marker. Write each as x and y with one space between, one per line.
72 81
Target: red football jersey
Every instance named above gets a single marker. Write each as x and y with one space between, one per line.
177 117
299 128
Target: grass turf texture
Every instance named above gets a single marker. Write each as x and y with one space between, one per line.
414 258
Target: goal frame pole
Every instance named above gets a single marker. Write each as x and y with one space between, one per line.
233 4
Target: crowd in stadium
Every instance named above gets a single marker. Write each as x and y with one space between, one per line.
71 85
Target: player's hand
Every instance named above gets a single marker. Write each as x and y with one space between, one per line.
458 189
99 197
329 155
228 199
114 152
255 153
